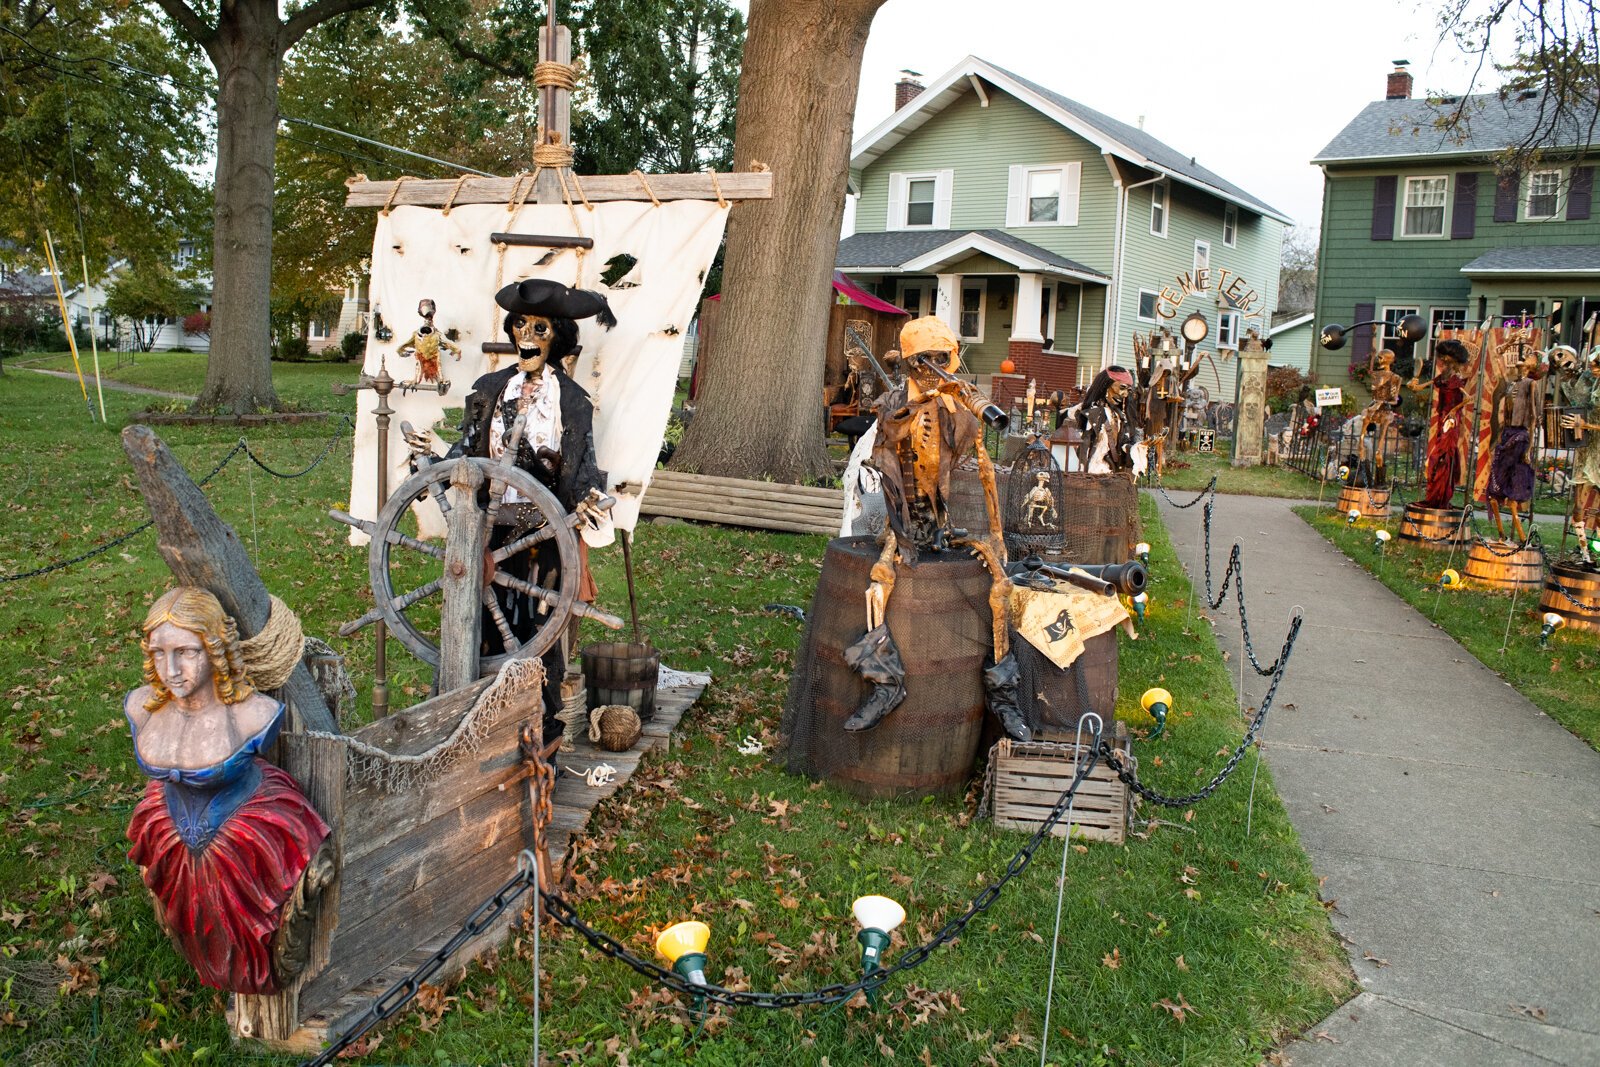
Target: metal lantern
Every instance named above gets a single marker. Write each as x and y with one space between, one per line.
1034 504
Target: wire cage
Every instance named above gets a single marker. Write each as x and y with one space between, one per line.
1033 514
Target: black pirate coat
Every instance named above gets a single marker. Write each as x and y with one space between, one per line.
578 471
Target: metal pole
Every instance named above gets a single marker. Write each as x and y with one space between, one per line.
383 385
627 566
1061 879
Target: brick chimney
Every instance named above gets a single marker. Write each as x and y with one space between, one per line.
1399 87
907 89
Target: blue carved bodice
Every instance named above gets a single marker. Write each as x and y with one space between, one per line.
201 799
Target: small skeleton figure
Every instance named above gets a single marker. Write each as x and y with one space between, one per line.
1195 402
1515 412
1377 419
926 423
1586 464
1041 503
426 344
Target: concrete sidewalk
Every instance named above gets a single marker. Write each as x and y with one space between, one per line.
107 383
1456 827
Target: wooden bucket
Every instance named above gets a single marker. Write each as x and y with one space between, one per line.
1500 565
1434 527
1099 516
617 672
1372 503
939 617
1574 594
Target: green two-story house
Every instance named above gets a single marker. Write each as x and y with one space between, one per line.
1048 233
1419 218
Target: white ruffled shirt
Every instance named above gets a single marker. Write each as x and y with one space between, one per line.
541 397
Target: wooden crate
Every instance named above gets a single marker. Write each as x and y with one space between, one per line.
1029 776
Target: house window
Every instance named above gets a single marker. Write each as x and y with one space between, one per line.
1202 256
1228 329
1230 226
973 292
1391 328
918 299
185 256
318 331
920 201
1147 304
1047 316
1043 196
1158 209
1544 192
1444 319
1423 215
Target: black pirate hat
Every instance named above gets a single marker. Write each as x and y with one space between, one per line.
541 296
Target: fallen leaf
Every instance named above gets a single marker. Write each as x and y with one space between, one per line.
1375 959
1179 1011
1323 1035
883 1047
1182 966
1112 959
1531 1011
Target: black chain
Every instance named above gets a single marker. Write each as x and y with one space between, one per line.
397 996
241 446
1131 779
1234 575
1209 490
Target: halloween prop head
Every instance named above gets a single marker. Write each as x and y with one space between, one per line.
541 319
175 663
1451 355
931 334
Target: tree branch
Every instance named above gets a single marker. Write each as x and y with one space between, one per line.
464 50
190 22
308 18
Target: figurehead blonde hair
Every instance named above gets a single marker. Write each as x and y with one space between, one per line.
191 608
930 334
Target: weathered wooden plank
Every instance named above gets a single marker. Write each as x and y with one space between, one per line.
461 618
318 766
741 185
728 518
201 549
665 478
424 724
751 503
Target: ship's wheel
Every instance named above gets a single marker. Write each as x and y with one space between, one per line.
551 598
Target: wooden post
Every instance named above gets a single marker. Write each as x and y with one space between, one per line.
203 550
555 106
461 620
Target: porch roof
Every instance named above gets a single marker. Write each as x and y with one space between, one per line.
926 251
1538 259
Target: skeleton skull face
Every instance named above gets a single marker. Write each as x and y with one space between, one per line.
533 335
1385 359
1116 393
425 308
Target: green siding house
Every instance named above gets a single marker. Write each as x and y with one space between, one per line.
1046 232
1417 218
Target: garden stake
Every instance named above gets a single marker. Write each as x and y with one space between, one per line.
627 566
1061 880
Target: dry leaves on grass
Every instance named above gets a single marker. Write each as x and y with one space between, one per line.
1112 959
1179 1011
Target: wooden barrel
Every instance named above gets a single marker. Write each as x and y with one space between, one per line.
1099 516
1434 527
1573 593
617 672
967 510
1501 565
939 617
1372 503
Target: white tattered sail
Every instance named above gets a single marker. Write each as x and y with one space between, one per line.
629 372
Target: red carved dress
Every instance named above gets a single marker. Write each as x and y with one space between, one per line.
222 847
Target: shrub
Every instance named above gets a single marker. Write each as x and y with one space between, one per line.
293 349
1283 387
353 345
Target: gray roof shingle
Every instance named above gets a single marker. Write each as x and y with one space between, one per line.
1157 152
892 248
1537 259
1389 129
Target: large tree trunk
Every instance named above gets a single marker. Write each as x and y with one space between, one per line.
760 412
247 53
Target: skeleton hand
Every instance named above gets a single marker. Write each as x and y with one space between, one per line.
593 508
419 441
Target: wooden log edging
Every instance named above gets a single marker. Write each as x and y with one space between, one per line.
744 502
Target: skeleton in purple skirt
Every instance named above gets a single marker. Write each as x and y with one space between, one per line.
1516 412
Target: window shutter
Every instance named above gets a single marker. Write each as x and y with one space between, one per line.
1071 181
1016 190
1579 193
1361 336
1505 196
897 203
1383 189
1464 216
942 190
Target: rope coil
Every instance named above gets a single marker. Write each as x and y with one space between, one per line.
271 656
550 74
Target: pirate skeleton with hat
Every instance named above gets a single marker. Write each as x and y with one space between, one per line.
927 422
557 447
1111 437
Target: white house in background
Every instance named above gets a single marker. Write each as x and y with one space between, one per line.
1291 343
86 305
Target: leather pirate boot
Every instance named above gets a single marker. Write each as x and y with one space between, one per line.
876 659
1000 683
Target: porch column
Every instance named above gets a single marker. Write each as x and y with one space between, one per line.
948 305
1025 320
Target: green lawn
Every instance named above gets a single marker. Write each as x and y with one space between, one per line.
1560 680
1190 471
305 386
1194 943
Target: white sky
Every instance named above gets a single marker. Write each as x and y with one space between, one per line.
1251 88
